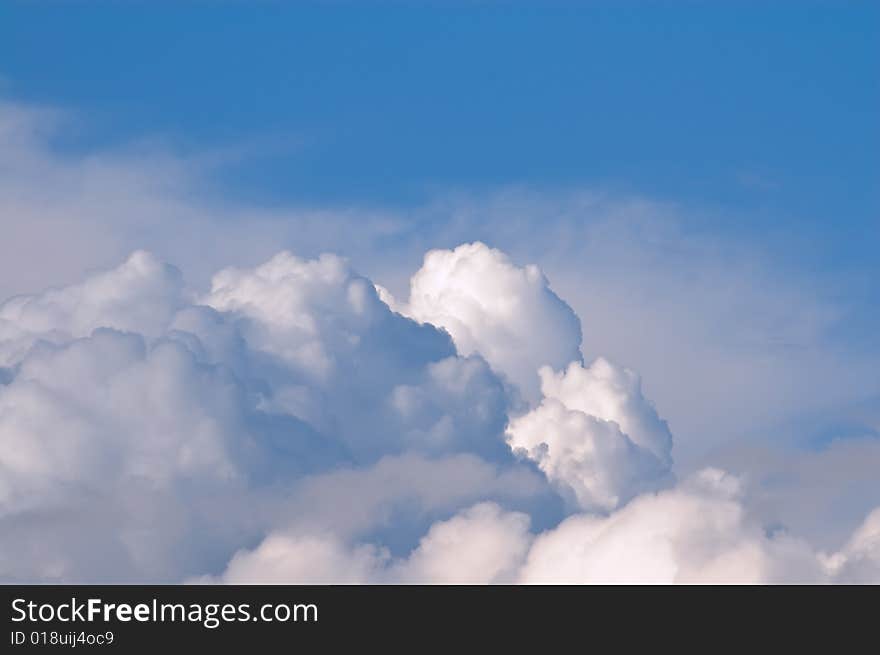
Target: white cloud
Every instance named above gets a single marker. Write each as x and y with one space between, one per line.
149 432
311 314
458 404
481 545
718 323
309 559
821 493
127 460
611 393
859 560
105 408
697 533
595 436
214 422
490 306
153 438
141 295
405 492
350 366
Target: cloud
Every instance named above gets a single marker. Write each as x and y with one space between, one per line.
334 344
457 404
480 545
859 560
147 442
821 494
318 316
718 322
399 496
490 306
141 295
595 436
156 434
308 559
696 533
215 419
279 420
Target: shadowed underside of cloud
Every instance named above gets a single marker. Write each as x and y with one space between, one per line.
294 423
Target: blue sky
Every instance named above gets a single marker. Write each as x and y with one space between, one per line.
698 180
769 108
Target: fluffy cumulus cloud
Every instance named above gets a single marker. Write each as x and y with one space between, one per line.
481 544
139 296
697 533
490 306
700 532
859 560
303 559
294 423
595 435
